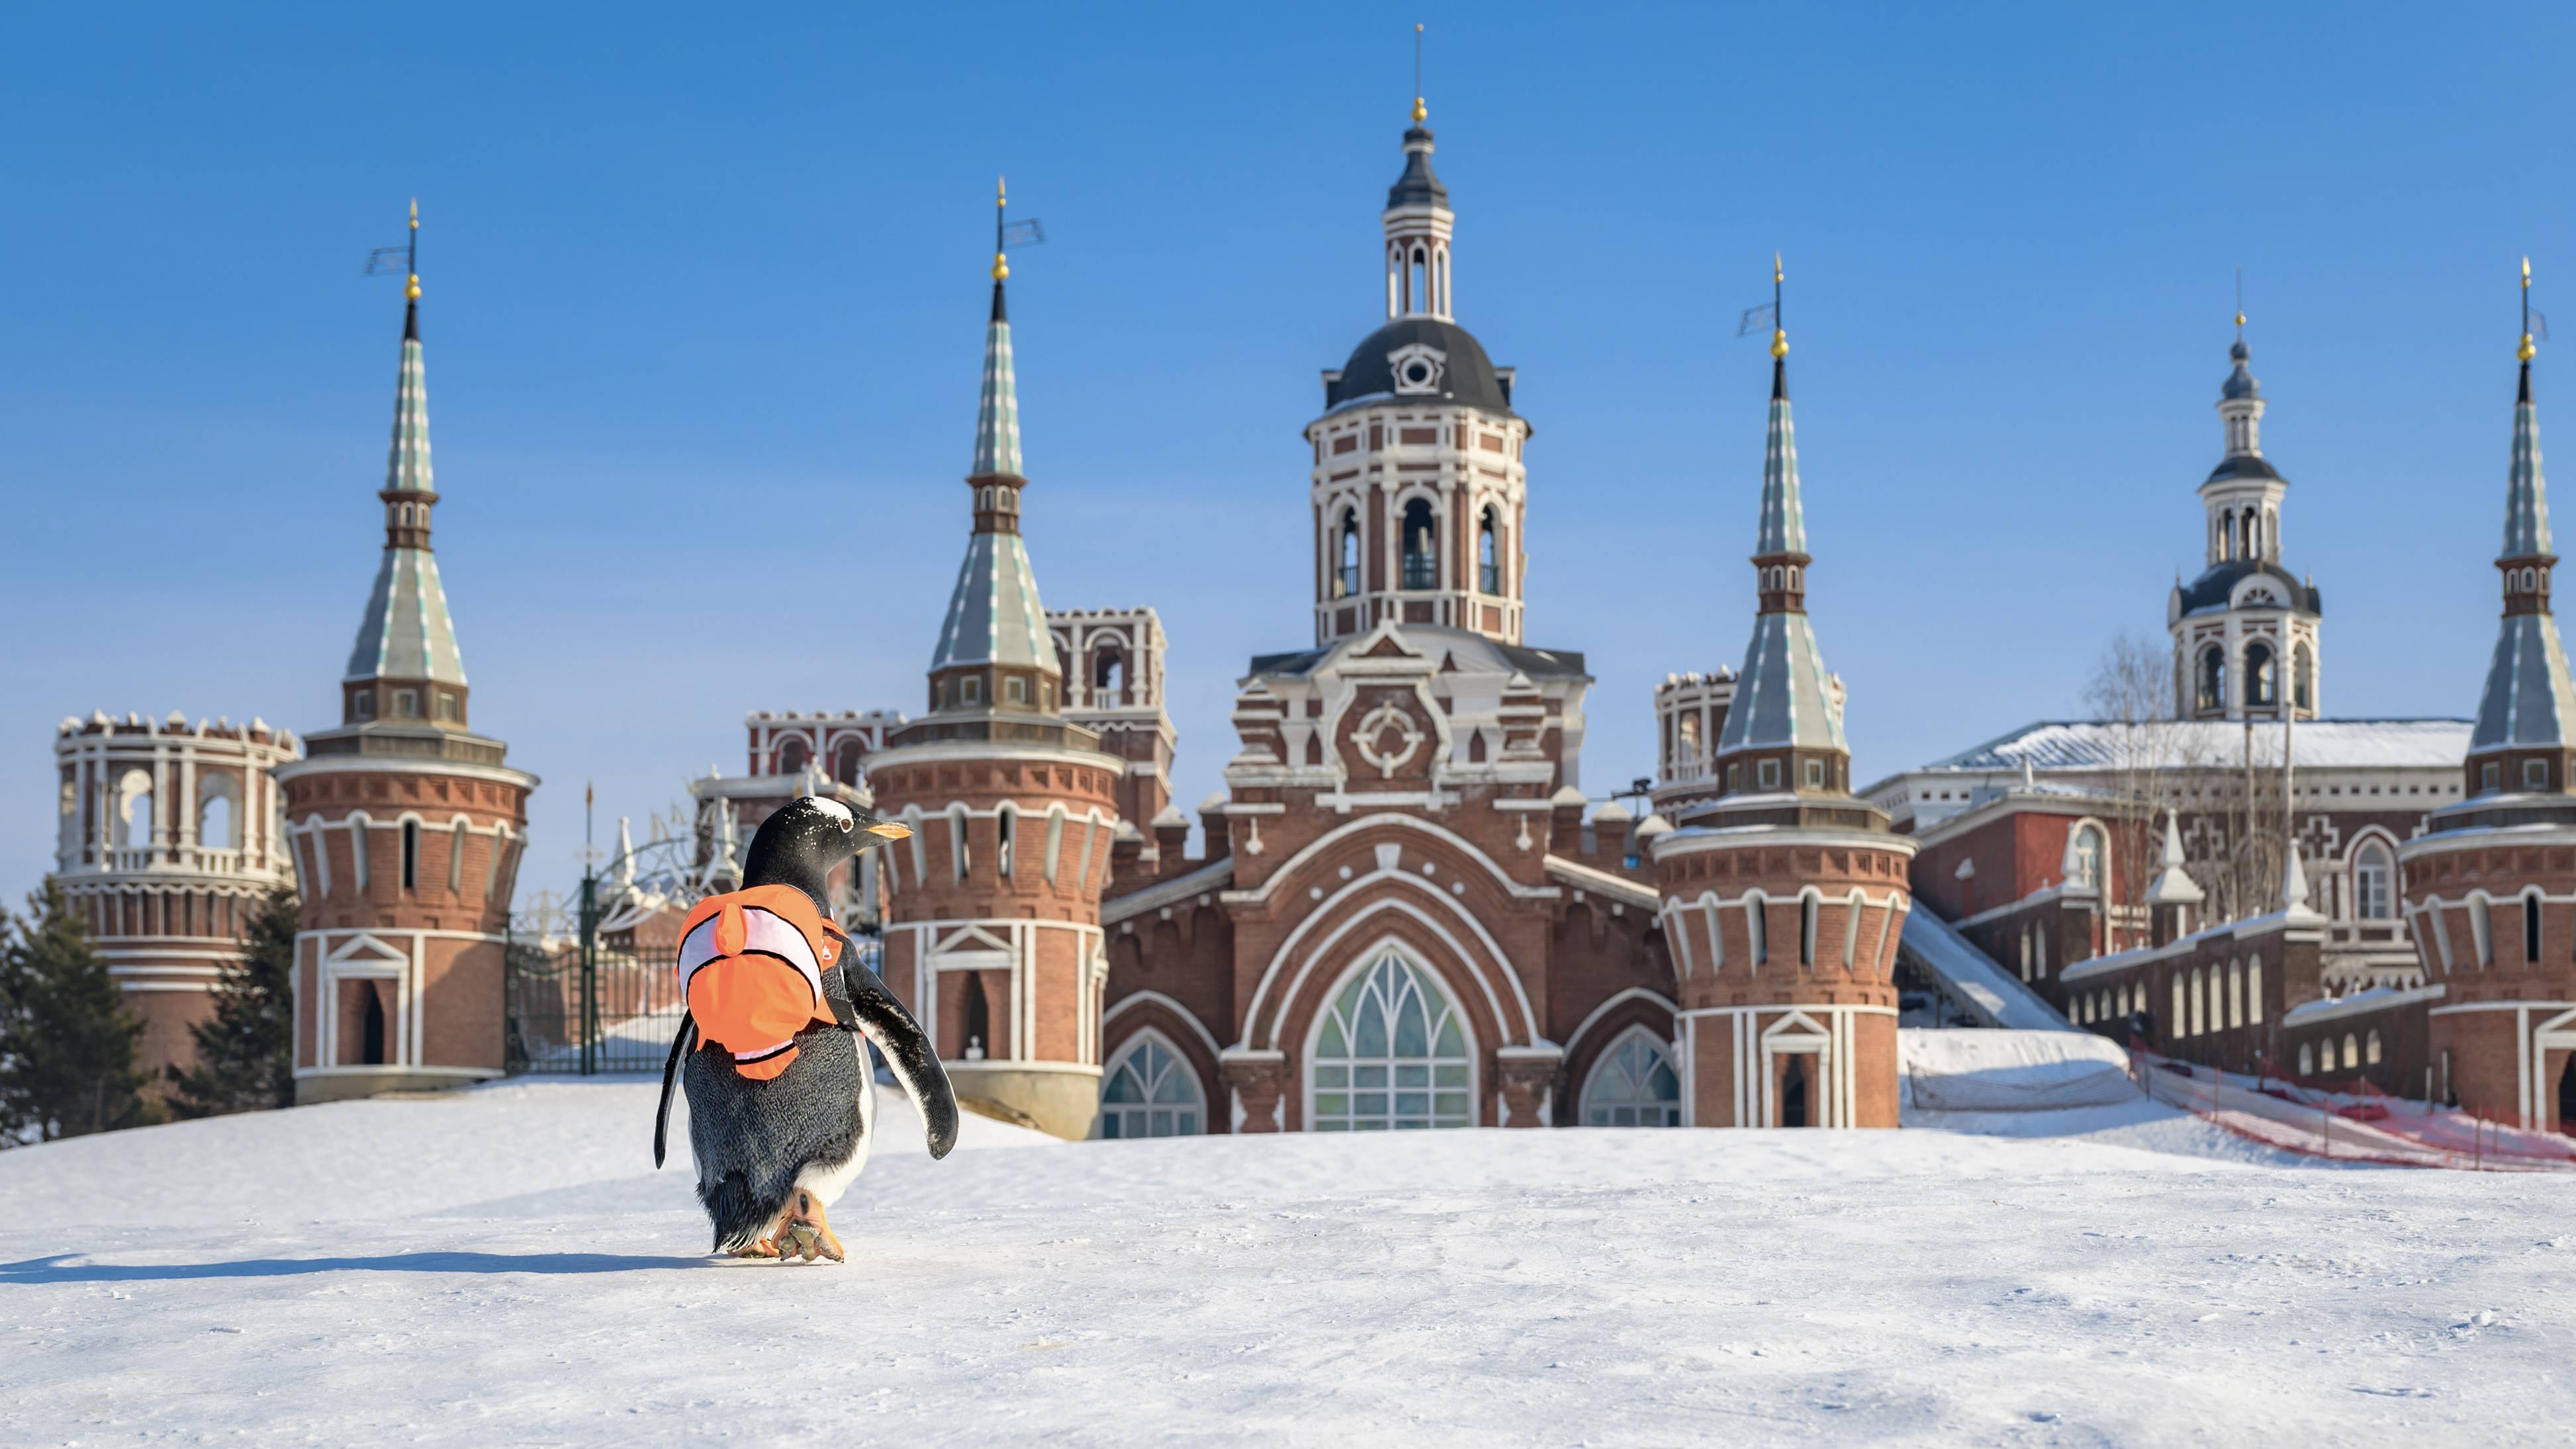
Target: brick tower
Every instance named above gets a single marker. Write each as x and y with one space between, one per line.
2487 885
169 839
407 829
1782 894
992 929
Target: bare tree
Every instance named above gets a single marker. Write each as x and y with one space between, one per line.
2131 693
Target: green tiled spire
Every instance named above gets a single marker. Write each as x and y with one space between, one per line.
406 633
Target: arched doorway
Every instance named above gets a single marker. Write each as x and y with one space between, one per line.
1793 1091
1634 1085
2567 1096
1390 1052
1150 1092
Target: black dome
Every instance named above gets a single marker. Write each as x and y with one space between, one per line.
1466 376
2215 586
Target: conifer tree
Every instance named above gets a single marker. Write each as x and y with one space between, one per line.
245 1051
68 1042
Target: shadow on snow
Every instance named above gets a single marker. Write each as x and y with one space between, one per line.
58 1268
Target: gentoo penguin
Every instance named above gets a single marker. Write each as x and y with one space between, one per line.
781 1100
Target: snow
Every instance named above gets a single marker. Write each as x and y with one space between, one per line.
2325 743
502 1266
1976 1070
1973 979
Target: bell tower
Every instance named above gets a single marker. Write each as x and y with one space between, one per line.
992 926
406 829
1417 485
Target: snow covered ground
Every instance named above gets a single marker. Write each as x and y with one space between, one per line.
502 1267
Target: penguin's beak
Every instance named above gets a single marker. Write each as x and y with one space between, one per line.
890 830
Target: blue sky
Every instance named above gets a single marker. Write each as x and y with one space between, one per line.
704 296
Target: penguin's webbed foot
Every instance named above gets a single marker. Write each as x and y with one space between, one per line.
802 1231
757 1248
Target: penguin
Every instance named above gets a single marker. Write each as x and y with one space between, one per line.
781 1100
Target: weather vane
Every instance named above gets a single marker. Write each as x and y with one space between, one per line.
397 261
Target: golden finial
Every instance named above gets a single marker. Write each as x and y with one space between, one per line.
2524 352
411 286
1779 334
1001 199
1421 113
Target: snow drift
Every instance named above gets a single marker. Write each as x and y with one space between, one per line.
1976 1070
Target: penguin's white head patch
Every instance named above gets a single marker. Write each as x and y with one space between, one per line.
835 809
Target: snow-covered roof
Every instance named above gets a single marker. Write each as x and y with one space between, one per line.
2377 998
2320 744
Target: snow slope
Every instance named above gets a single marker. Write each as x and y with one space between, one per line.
503 1267
1974 1069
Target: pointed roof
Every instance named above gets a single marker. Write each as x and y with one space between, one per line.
1783 695
1418 186
994 616
406 632
2528 700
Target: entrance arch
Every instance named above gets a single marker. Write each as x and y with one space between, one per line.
1150 1091
1794 1089
1390 1051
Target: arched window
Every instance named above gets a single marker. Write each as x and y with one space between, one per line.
845 762
1346 579
1807 909
2531 927
1757 929
2370 879
2351 1052
2199 1003
134 809
2482 930
792 756
2254 990
411 855
1108 679
2371 1046
2303 678
1421 546
1390 1051
1054 840
2213 678
960 855
1688 728
1150 1092
2025 951
1417 284
1489 565
456 859
2307 1061
1004 819
1634 1086
2088 857
215 815
2262 681
2235 993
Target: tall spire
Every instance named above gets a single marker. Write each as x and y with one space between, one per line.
2528 702
997 415
406 635
1783 697
995 624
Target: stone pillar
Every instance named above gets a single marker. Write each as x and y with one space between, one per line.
1526 1077
1258 1081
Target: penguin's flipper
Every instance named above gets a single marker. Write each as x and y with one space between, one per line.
883 1020
671 1075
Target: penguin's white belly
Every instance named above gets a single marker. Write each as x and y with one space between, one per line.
827 1181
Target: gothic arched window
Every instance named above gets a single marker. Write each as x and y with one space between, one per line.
2303 678
1346 580
2262 680
2370 877
1634 1086
1421 546
1489 564
2088 857
1149 1092
2213 678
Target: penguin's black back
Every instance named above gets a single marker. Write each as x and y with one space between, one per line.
751 1138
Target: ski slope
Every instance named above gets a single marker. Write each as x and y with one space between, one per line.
501 1266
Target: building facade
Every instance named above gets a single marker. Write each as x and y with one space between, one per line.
168 836
406 827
